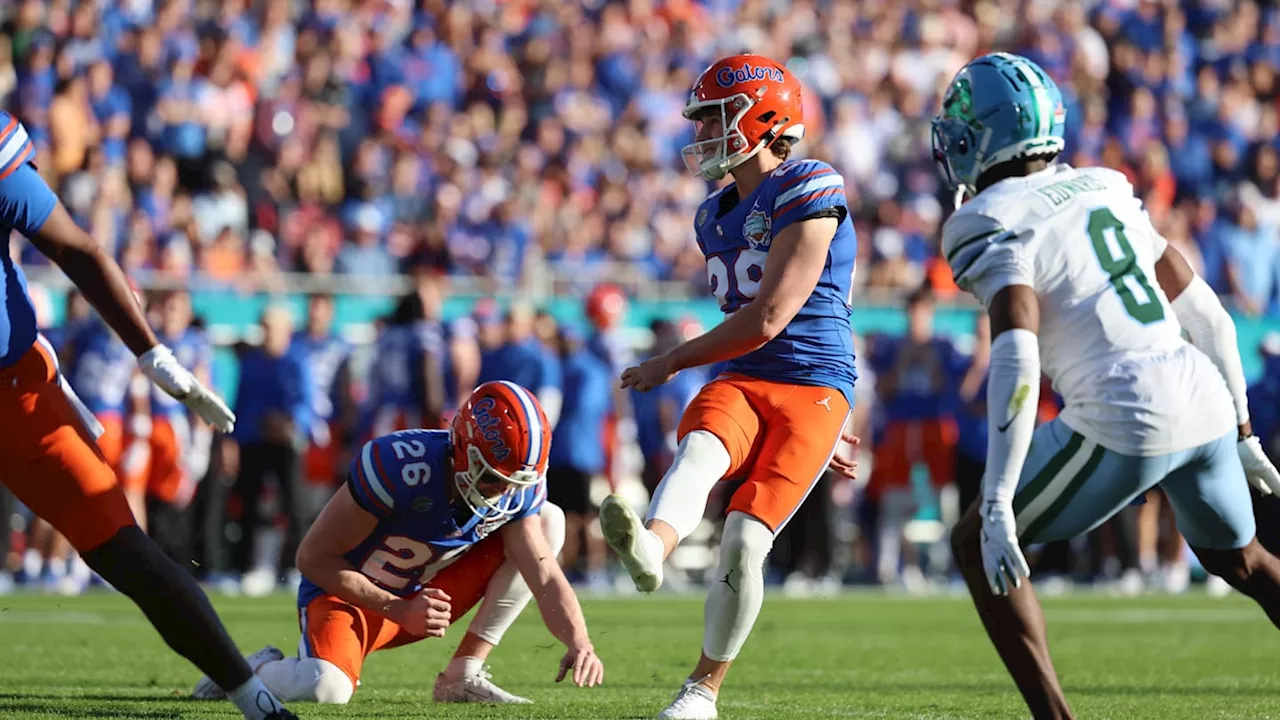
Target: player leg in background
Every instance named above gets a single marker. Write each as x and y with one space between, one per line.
1050 489
337 636
567 488
54 467
1070 486
791 458
1211 500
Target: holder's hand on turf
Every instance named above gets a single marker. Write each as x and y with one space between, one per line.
1261 473
1001 556
163 369
588 671
426 614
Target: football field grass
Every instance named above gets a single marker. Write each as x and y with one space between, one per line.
859 656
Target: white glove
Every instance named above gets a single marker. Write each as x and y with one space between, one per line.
1001 556
163 369
1261 473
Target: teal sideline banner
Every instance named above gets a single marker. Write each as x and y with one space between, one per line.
239 311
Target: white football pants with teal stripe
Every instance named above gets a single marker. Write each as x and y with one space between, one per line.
1071 485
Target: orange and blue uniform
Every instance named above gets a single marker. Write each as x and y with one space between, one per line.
779 410
917 402
424 538
51 459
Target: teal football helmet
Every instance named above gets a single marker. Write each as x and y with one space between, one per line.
999 107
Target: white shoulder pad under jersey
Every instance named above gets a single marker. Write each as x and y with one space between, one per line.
1083 242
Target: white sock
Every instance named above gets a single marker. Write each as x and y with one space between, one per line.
463 667
254 699
307 679
680 500
58 567
737 590
507 594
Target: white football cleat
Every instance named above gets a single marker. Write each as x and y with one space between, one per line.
627 535
207 689
695 702
477 688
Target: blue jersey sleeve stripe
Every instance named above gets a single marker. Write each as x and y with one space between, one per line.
808 187
367 459
810 199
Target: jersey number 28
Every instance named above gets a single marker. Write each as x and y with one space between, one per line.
1118 261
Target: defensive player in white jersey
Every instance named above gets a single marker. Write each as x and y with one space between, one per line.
1079 284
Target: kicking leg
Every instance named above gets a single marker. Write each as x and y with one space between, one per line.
717 433
1014 623
674 513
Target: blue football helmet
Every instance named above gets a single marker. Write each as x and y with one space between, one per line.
999 107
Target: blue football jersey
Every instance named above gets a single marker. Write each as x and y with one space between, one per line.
25 204
735 235
101 368
397 351
325 358
405 479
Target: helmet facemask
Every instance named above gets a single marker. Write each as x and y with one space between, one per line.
486 491
713 158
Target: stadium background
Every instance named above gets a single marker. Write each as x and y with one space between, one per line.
521 153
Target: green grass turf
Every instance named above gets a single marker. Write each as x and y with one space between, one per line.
860 656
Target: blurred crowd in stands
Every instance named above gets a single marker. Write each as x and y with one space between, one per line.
229 141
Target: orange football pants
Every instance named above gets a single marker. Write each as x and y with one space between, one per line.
343 634
780 438
114 441
51 463
167 479
932 442
320 464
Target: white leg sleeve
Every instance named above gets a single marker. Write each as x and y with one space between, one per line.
507 593
681 498
308 680
737 590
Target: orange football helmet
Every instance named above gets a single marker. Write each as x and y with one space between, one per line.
740 105
501 441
